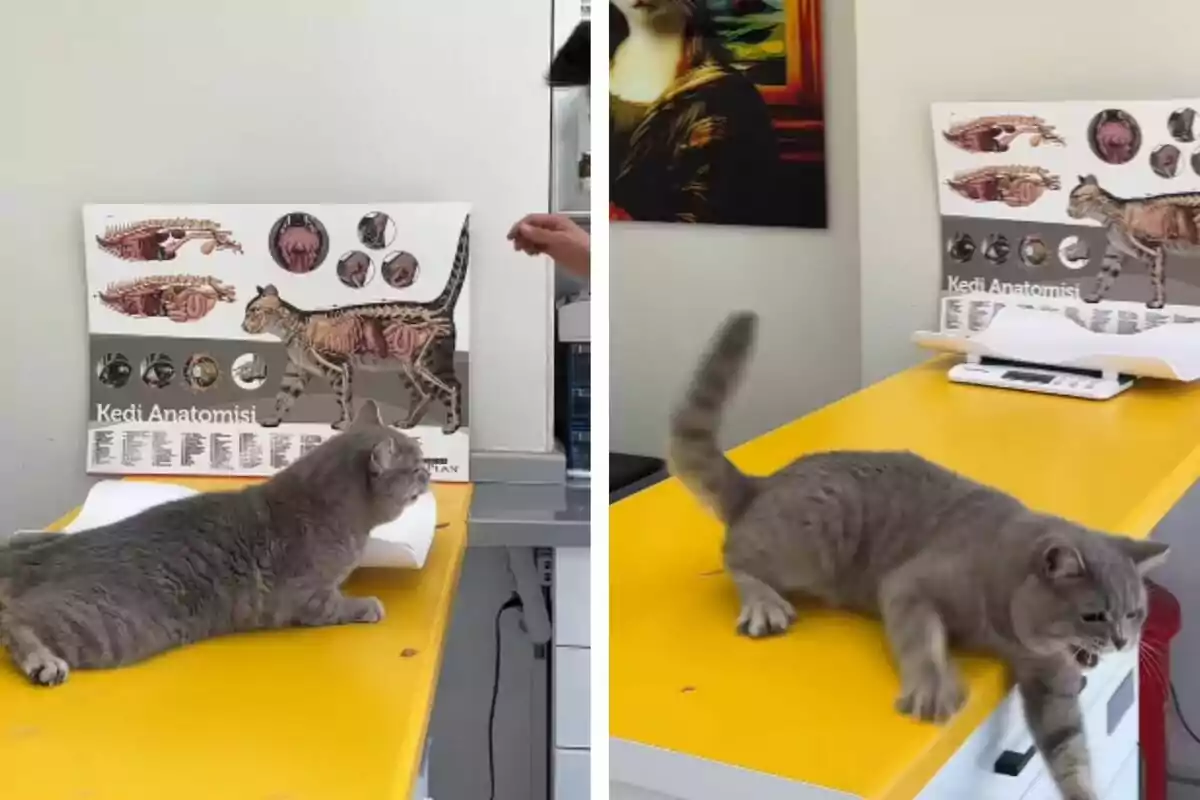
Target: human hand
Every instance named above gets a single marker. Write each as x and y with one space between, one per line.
557 236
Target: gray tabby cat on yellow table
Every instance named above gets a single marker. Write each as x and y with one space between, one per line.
270 556
940 558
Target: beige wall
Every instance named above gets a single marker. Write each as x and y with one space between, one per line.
671 285
914 52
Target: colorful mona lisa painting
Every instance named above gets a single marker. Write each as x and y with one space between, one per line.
716 112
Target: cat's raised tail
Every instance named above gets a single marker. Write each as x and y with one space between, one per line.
693 454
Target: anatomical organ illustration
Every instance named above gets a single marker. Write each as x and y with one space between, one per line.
179 298
1014 186
299 242
160 239
994 134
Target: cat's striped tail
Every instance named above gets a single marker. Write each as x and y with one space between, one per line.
693 455
448 299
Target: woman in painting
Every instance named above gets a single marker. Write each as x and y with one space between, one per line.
691 137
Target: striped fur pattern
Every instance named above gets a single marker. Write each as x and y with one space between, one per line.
413 340
942 560
1145 229
271 556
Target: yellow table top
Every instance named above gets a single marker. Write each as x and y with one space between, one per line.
815 705
314 714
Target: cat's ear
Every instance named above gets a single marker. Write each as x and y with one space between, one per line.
1060 561
368 416
269 289
384 456
1145 554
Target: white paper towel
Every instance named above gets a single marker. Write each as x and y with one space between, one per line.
402 543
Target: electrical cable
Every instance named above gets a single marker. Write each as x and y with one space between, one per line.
512 602
1179 713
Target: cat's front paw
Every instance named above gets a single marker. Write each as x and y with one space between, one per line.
763 618
934 697
45 669
370 610
270 422
449 429
1085 658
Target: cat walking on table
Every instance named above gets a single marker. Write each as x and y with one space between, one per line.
270 556
939 558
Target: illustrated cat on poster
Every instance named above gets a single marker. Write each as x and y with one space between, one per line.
413 340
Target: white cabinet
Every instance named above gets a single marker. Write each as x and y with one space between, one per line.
572 672
1109 703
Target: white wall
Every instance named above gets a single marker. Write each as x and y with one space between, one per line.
914 52
671 285
234 101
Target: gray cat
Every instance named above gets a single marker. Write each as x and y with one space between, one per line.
941 559
270 556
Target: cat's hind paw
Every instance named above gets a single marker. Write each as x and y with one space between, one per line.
935 697
765 617
45 669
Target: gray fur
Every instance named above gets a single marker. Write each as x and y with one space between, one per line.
270 556
939 558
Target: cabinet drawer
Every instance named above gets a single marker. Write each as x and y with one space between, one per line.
971 771
572 697
572 590
572 774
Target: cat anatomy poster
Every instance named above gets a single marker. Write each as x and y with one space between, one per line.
1087 209
232 339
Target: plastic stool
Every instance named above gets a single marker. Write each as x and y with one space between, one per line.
1163 622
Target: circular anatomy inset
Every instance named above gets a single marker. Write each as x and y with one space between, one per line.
1074 253
298 242
376 230
201 372
400 269
961 247
1033 251
355 269
249 371
996 248
1195 161
1115 136
113 370
158 370
1164 160
1182 125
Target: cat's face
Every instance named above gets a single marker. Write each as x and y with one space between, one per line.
397 472
262 310
1085 593
1084 198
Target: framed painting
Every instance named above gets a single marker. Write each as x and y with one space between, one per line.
731 133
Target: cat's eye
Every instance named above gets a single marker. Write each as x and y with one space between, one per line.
1095 616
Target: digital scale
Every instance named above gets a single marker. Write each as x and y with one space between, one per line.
1066 381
